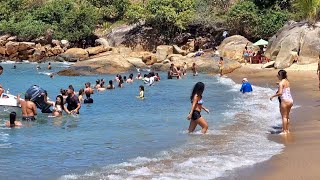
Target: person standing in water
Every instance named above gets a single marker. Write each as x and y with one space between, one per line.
28 108
318 71
196 107
49 66
72 100
141 94
58 107
221 66
194 69
12 123
286 102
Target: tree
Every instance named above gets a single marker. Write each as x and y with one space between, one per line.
307 9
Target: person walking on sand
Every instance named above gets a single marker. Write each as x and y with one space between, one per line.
196 107
318 71
221 66
286 102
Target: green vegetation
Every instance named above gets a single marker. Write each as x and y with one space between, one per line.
77 19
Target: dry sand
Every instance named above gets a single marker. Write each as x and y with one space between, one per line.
300 158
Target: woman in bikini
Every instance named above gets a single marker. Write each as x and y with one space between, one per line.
286 101
196 107
58 107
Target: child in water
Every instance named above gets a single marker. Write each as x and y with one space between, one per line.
141 94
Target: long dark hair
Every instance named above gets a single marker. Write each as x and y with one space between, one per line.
282 74
197 89
111 83
61 100
13 116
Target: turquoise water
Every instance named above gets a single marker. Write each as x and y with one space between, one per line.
120 136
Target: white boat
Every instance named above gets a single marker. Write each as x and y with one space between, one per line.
8 100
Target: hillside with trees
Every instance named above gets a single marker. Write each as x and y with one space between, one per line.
75 20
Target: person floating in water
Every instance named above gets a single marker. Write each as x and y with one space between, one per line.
196 107
286 101
28 108
12 123
246 86
14 67
38 67
141 94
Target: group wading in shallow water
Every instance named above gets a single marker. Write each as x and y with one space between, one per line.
70 102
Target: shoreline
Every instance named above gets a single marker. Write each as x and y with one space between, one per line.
299 159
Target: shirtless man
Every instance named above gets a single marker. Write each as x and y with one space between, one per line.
1 90
88 88
29 109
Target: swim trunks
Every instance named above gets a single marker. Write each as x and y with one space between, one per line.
195 115
28 118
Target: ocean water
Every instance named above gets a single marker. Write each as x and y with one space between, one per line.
122 137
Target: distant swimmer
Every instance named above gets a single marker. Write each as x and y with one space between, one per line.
88 88
49 66
1 70
141 94
139 76
14 67
286 102
110 85
13 122
58 107
130 79
28 108
80 95
38 67
246 86
196 107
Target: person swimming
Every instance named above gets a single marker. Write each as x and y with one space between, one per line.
196 107
13 122
130 79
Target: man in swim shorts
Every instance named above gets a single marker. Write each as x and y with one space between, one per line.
28 108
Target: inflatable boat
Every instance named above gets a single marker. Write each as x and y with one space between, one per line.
8 100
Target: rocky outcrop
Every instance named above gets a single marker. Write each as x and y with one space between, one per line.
163 51
118 34
178 50
149 58
98 49
232 47
111 64
102 41
295 38
77 53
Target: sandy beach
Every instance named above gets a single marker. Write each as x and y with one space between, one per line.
300 158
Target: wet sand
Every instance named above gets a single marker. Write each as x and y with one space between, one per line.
300 158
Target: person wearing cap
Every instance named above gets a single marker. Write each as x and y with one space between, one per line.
246 86
73 102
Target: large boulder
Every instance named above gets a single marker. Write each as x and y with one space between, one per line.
12 47
55 51
26 45
163 51
232 47
65 44
149 58
118 34
97 50
4 37
102 42
295 38
178 50
3 50
111 64
78 53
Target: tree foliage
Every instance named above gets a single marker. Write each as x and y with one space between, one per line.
307 9
169 16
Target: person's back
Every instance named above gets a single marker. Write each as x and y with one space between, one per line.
246 87
28 108
88 99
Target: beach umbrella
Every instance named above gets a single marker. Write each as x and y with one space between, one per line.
261 42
